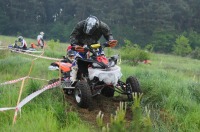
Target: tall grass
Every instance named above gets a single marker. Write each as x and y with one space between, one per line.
46 112
171 90
170 86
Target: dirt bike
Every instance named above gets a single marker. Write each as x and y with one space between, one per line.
96 74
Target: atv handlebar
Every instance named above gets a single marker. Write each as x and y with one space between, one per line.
111 43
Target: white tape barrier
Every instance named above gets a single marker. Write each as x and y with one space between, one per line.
33 95
5 109
38 56
30 97
17 80
38 79
3 48
27 51
13 81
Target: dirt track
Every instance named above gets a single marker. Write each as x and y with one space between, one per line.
108 106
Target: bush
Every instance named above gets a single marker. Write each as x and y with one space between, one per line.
182 46
195 53
133 54
52 44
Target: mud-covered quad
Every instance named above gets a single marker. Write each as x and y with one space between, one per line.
96 74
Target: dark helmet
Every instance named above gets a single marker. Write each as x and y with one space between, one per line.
20 38
71 55
91 24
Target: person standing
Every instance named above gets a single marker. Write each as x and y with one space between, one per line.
40 40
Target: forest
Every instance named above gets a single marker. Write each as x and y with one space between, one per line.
154 23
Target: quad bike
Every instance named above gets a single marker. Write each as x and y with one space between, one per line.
96 75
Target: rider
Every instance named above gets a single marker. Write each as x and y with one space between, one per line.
70 55
40 40
88 32
23 43
68 59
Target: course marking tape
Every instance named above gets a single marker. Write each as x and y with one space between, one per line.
13 81
38 79
33 95
29 98
3 48
38 56
5 109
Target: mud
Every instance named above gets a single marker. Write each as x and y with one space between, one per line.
107 105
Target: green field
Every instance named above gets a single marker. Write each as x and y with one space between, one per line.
170 85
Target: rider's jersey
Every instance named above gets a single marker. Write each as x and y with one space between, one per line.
80 38
39 37
40 40
23 44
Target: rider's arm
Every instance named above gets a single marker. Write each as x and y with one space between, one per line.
106 31
76 33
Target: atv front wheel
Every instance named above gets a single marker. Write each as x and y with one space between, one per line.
83 94
132 86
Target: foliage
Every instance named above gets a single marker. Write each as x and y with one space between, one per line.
182 46
162 41
195 53
157 23
132 53
140 122
149 47
194 38
52 44
117 122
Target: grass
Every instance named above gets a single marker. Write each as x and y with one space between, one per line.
171 89
170 85
46 112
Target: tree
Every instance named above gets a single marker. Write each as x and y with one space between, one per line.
182 46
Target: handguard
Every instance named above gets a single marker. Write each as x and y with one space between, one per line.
78 48
112 43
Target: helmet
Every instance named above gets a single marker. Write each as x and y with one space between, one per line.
41 33
71 55
91 24
20 38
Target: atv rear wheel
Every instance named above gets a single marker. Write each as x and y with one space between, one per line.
83 94
108 91
132 86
